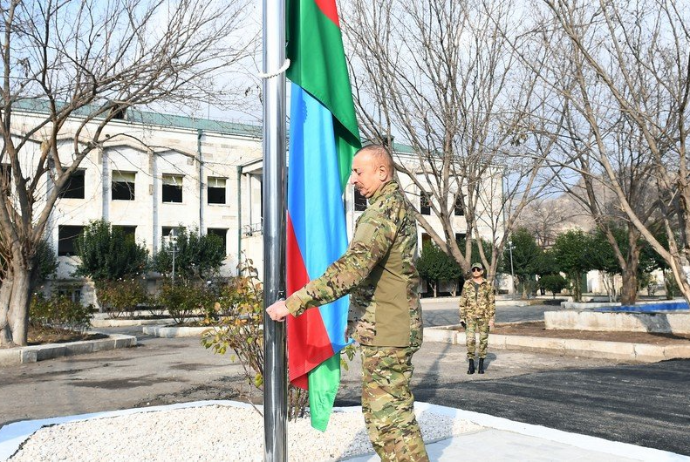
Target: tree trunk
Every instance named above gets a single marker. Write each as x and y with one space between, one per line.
629 273
18 315
683 283
5 293
577 289
629 289
608 285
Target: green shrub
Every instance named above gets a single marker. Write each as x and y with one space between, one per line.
187 298
197 256
121 296
107 253
553 283
435 265
59 311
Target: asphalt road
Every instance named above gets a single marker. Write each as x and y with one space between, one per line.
643 404
646 405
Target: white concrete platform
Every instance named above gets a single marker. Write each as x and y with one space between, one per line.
666 322
642 352
500 440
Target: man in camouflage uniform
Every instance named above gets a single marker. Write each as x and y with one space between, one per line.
378 271
477 312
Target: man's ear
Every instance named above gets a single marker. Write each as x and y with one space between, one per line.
383 172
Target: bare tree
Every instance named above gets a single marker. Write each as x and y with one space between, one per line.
545 218
444 77
633 171
90 59
627 80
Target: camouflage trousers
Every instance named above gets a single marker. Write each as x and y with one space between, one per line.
388 404
474 325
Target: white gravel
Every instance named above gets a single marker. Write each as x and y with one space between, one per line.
210 433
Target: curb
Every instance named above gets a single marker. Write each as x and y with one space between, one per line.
642 352
129 322
171 332
519 302
503 302
32 354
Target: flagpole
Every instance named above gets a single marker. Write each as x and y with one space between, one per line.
274 193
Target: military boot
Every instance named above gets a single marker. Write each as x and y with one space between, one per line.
480 368
471 368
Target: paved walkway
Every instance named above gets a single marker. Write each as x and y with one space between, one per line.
506 440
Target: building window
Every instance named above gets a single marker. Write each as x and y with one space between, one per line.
216 190
172 188
459 209
128 231
72 294
222 233
165 232
360 202
424 204
123 186
67 236
74 187
460 237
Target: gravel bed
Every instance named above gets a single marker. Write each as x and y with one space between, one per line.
210 433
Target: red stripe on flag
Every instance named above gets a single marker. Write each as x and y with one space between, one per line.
297 275
329 8
316 348
307 330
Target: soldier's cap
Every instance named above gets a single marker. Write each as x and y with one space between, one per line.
477 265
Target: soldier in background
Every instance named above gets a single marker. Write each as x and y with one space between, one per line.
477 312
378 271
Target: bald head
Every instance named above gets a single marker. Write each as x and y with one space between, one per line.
372 168
380 156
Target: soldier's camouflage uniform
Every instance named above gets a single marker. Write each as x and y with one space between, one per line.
477 308
378 271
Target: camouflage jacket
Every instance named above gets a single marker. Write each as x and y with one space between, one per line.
480 303
378 271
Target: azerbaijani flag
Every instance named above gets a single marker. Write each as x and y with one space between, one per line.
323 140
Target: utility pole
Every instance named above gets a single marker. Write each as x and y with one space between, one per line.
512 273
172 240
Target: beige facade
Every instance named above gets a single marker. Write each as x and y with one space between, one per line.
170 171
151 177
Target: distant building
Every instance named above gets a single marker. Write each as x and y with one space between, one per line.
155 172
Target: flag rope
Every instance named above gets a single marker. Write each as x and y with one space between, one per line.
282 70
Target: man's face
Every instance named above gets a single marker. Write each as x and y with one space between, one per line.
367 176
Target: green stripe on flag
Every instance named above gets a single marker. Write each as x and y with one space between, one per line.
324 381
347 148
318 65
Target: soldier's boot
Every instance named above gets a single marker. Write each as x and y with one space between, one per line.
480 368
471 368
